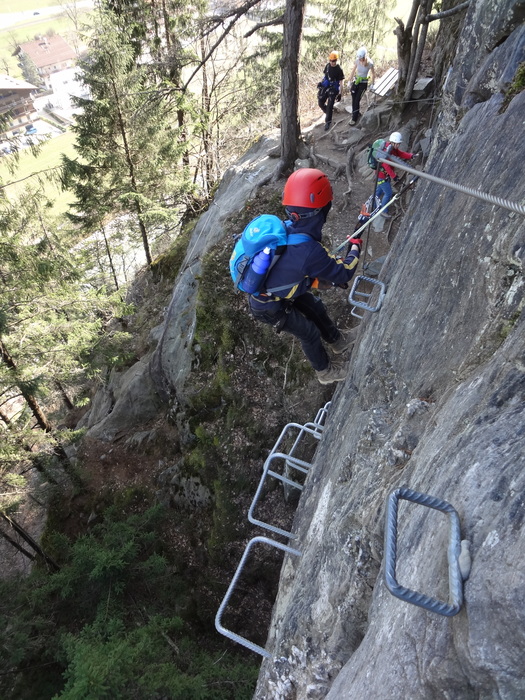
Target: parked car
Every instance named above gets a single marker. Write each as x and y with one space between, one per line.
30 129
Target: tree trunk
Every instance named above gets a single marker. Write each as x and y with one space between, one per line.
17 546
69 404
30 541
418 46
110 258
28 396
131 173
290 126
39 415
206 135
404 45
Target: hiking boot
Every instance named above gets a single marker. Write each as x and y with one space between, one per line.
353 122
385 215
327 126
335 372
346 341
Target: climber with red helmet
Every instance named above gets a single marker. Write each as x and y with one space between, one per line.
291 306
329 89
387 173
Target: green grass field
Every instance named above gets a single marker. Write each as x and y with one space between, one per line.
25 5
48 159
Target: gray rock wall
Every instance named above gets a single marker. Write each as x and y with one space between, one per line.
434 401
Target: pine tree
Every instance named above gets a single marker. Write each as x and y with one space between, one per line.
129 147
50 324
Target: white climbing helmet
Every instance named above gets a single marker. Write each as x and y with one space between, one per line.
395 137
361 53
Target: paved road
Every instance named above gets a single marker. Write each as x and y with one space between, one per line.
8 19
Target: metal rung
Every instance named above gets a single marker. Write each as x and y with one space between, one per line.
320 416
313 429
218 626
354 293
455 579
291 462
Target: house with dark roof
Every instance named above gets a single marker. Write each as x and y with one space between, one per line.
48 54
16 103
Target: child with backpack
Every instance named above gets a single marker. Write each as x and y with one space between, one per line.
329 89
386 172
285 300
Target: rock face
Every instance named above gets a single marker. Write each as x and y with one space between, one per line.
434 401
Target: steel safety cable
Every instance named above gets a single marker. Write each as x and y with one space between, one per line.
484 196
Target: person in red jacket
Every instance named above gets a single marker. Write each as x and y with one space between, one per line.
287 303
387 173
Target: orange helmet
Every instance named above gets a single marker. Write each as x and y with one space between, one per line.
307 187
334 56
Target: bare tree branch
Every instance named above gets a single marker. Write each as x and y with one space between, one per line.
448 13
270 23
236 15
39 172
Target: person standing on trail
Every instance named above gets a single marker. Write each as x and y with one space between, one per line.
307 199
329 89
358 82
386 172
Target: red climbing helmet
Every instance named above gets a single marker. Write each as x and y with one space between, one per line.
307 187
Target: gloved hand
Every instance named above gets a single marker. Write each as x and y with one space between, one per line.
396 179
356 241
319 85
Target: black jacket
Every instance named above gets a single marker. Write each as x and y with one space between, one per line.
334 73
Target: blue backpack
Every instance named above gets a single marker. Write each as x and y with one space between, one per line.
265 231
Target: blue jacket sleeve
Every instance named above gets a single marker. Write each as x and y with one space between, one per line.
325 266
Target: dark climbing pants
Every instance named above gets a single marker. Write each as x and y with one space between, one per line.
306 319
357 93
326 100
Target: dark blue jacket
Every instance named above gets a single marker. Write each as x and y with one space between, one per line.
300 265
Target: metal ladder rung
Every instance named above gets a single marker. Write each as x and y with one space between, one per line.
291 462
455 579
309 428
218 624
354 292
